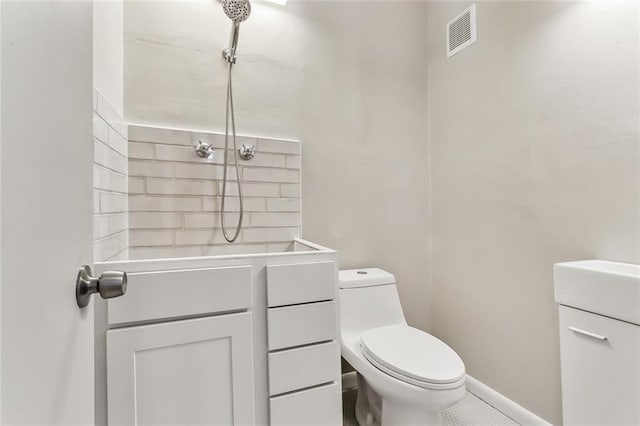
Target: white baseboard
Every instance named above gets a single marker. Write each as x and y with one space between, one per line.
518 413
500 402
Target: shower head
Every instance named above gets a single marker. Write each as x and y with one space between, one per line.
238 11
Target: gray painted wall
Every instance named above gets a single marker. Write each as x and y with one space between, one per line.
533 134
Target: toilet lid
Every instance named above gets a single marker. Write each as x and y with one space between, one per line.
412 353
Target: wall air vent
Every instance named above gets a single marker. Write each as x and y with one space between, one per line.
461 31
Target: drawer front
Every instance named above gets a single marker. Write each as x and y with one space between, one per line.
170 294
301 325
300 368
591 364
313 407
301 283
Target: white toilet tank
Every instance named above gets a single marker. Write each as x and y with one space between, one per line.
368 298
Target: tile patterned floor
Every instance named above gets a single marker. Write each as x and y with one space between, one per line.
471 411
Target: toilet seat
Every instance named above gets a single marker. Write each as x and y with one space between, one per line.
413 356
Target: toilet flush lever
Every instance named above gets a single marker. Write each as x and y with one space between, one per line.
109 284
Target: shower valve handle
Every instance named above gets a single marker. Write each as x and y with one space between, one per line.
247 152
204 150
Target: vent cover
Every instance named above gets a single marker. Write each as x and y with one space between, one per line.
461 31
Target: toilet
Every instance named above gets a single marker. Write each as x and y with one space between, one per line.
405 376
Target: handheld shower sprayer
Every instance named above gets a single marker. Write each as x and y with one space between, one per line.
238 11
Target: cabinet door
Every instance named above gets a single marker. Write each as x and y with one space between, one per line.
600 369
188 372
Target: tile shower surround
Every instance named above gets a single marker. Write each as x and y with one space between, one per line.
174 195
110 200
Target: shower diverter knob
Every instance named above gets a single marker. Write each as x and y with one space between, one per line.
204 150
247 152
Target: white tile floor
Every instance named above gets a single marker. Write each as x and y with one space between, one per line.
471 411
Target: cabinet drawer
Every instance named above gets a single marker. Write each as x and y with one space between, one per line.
313 407
167 294
294 369
591 364
301 325
300 283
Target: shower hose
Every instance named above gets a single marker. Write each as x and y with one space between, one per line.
230 113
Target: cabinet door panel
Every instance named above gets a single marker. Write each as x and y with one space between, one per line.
185 372
600 369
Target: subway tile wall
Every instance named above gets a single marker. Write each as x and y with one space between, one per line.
175 196
110 183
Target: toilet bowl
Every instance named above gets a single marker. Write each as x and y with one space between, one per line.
405 376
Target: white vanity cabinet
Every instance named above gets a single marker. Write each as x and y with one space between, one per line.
224 340
599 342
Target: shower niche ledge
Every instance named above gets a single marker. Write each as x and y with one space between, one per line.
267 320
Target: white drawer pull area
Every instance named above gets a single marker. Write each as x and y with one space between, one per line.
301 325
170 294
300 283
587 333
313 407
304 367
